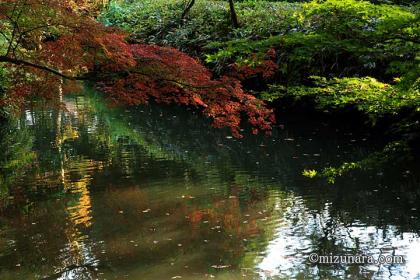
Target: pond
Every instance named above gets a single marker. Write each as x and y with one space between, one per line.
94 192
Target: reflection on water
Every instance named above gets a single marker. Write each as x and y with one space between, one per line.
91 192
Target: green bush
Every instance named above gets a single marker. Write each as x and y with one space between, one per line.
392 154
342 40
360 21
159 21
338 38
368 95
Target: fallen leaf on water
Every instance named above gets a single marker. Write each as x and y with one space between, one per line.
220 266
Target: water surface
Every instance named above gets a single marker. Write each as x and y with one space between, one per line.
91 192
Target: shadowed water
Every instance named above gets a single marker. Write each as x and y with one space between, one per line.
90 192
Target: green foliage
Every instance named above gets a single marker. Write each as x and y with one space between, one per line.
323 38
392 153
367 94
356 19
336 38
369 52
15 154
309 173
4 81
335 53
208 21
3 42
145 16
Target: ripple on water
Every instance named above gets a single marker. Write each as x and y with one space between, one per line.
155 197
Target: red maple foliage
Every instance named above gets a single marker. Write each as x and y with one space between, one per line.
60 43
266 67
170 76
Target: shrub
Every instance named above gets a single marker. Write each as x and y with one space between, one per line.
367 94
336 38
160 22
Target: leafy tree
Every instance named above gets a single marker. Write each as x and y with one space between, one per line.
47 41
14 159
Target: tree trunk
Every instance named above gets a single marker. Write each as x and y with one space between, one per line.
233 15
187 9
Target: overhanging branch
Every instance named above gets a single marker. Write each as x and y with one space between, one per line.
15 61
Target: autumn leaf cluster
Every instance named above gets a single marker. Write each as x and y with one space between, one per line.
50 45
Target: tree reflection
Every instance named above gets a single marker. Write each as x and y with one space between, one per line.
15 154
154 193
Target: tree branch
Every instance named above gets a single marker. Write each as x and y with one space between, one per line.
40 67
172 80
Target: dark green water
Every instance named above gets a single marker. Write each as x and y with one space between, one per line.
91 192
